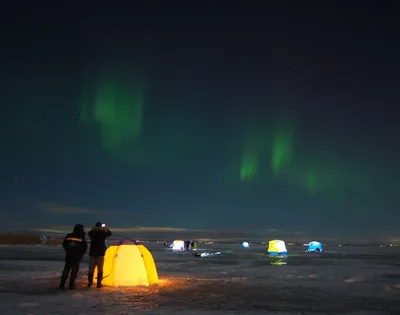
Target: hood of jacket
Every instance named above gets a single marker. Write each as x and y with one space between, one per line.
79 229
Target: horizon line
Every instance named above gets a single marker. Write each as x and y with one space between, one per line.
225 234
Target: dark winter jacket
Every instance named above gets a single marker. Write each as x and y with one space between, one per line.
98 237
75 245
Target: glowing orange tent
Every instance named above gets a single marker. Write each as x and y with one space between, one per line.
128 264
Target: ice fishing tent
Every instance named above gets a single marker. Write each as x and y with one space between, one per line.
245 245
128 264
178 245
192 245
277 247
315 246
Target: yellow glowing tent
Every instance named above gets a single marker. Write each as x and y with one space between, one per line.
128 264
277 247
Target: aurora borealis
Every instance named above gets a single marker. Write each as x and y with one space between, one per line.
214 126
268 154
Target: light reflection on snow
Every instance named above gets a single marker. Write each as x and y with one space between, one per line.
243 282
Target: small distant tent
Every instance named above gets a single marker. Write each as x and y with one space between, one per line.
128 264
245 245
178 245
277 247
315 246
192 245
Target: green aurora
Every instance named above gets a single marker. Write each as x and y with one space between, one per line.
118 108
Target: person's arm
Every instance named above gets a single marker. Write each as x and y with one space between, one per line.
84 247
65 243
108 233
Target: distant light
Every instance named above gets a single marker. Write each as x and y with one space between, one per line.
103 225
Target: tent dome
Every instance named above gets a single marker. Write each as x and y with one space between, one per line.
315 246
128 264
178 245
277 247
245 245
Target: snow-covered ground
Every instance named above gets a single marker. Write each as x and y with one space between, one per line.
344 280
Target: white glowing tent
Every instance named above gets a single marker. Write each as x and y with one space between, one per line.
245 245
178 245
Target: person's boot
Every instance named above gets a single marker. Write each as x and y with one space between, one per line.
74 274
64 277
99 279
90 279
71 285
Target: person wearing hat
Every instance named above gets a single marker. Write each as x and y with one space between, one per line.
98 235
75 247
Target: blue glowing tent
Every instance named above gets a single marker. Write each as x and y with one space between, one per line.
315 246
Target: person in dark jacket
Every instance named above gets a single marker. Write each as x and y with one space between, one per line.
98 236
75 247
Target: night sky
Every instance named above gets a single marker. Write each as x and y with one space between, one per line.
272 117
